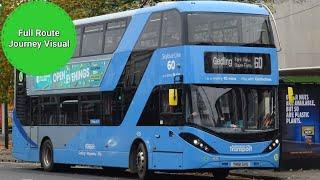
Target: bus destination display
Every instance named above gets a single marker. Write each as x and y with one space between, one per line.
237 63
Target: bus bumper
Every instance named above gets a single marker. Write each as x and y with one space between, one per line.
202 160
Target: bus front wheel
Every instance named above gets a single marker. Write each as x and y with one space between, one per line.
46 156
141 161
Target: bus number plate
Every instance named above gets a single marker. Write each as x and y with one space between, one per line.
240 164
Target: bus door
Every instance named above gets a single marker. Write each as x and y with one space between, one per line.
167 144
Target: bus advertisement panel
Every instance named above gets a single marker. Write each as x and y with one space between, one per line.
301 127
76 75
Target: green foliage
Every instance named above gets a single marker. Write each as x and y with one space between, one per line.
6 70
84 8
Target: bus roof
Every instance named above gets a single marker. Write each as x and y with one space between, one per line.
183 6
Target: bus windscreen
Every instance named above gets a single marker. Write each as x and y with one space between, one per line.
233 109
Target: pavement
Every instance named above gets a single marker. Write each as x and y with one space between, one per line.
2 141
5 154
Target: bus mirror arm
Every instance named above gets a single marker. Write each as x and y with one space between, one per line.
275 24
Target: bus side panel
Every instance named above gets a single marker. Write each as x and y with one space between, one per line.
161 159
22 143
94 158
95 145
21 148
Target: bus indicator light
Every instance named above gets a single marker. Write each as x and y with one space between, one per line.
276 157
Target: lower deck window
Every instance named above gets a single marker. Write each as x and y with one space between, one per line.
69 112
74 110
91 113
49 116
171 115
158 110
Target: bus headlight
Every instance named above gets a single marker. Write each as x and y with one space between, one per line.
197 142
273 145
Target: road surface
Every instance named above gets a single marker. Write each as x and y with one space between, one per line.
25 171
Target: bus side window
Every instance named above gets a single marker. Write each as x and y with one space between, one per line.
49 111
35 111
107 109
91 110
171 28
117 106
92 40
79 39
69 110
113 35
171 115
150 114
150 37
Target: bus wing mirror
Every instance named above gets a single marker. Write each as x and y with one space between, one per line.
290 95
173 97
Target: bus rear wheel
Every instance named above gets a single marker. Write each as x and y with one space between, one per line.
141 162
46 156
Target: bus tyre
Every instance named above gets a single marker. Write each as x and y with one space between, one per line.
220 174
46 156
142 162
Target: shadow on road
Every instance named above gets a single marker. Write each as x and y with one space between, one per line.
123 174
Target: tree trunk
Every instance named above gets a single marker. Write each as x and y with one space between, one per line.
2 119
6 129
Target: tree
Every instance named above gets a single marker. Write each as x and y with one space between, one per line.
6 70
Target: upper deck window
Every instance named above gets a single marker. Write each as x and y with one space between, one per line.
92 40
151 34
229 29
114 33
162 29
79 36
171 28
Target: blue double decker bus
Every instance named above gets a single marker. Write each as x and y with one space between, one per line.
179 86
